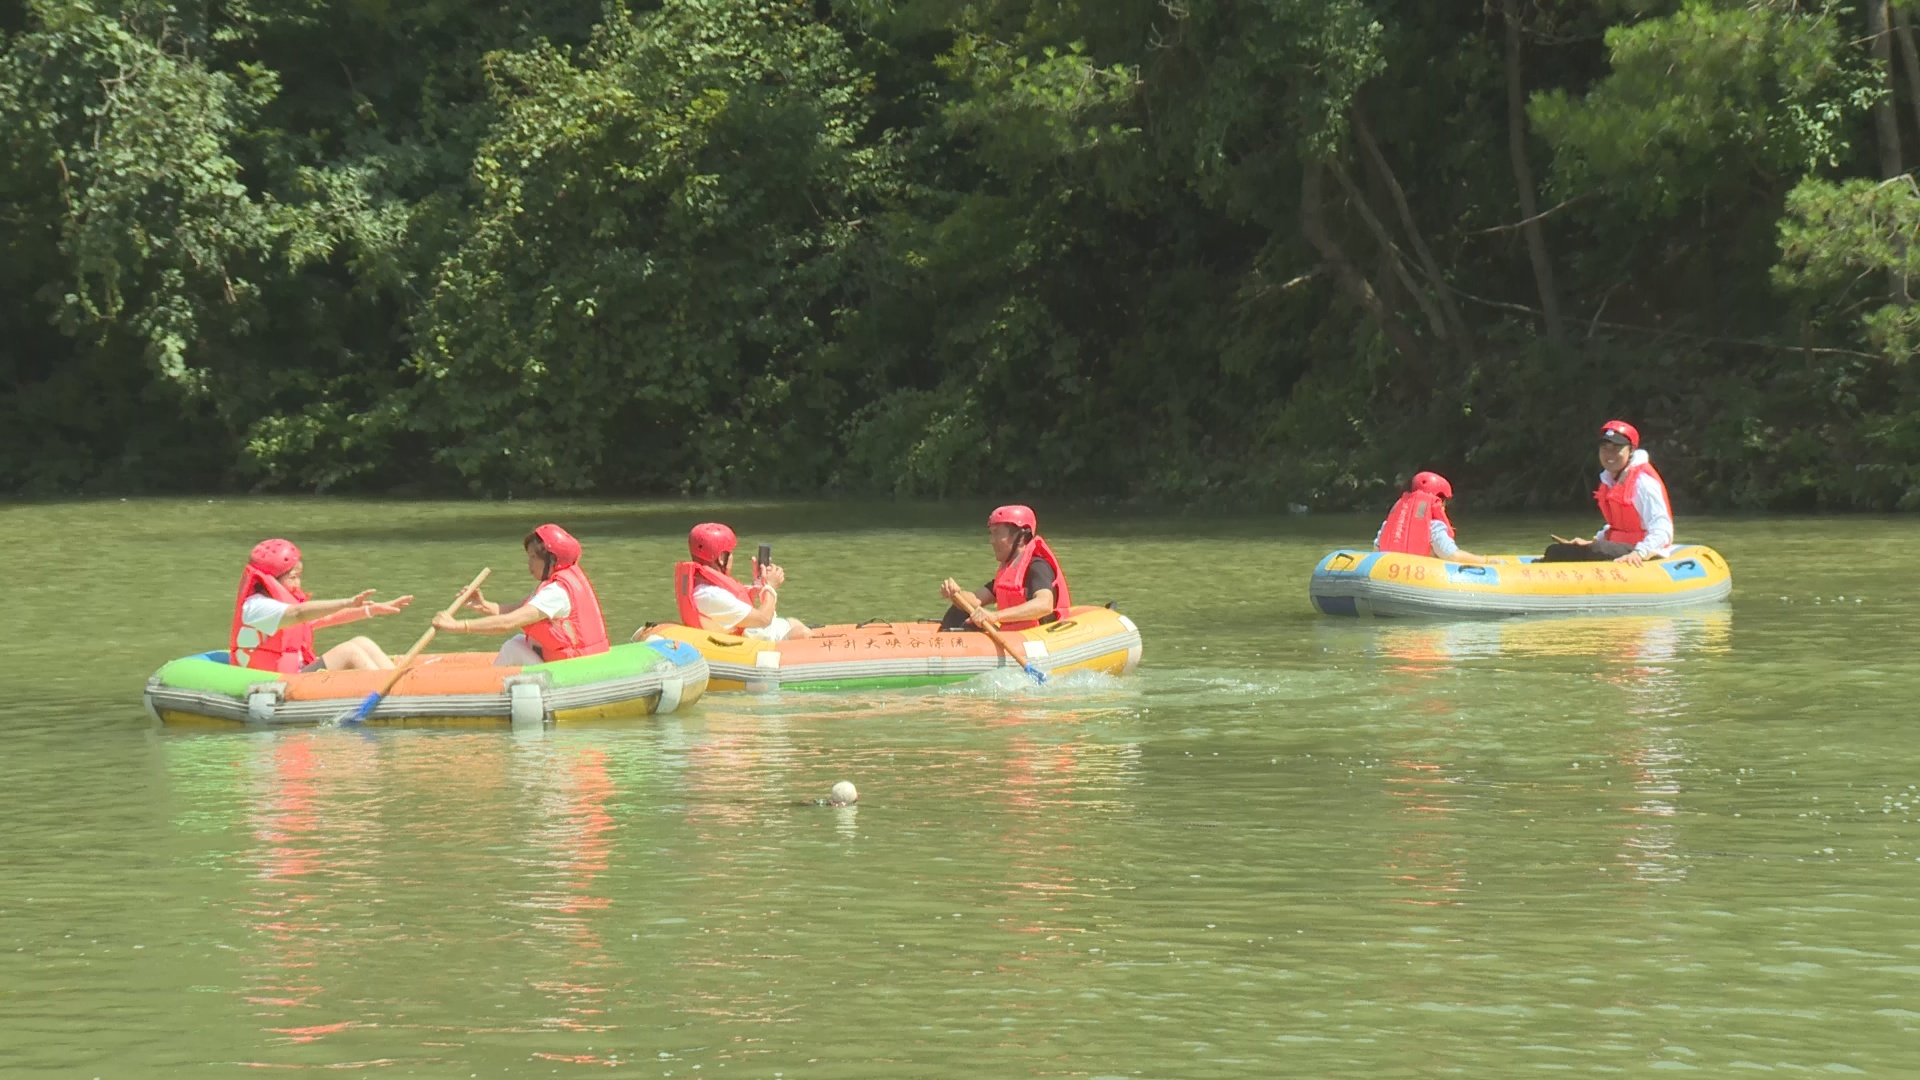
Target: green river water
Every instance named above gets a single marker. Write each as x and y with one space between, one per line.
1287 846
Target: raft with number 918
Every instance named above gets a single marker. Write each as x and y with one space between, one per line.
1354 582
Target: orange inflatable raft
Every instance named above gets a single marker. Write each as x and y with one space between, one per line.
625 682
880 655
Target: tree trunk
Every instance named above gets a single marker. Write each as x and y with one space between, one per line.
1462 335
1886 121
1523 179
1392 262
1389 274
1911 57
1314 227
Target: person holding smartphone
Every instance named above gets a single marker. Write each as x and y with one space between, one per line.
710 598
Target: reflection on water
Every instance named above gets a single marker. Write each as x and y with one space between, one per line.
1288 846
1637 665
1630 639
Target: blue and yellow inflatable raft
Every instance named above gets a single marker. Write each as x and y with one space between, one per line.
1354 582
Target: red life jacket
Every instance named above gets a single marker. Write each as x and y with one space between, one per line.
1406 529
1010 584
1616 504
688 576
287 649
582 632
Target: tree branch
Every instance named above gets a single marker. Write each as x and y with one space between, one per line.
1523 179
1313 226
1392 251
1463 336
1708 339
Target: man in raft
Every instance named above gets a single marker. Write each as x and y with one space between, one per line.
1633 500
560 621
1418 525
1030 588
710 599
274 619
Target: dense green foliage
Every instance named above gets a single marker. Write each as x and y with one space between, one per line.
1271 250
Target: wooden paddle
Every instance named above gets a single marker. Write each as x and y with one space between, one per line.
970 604
372 701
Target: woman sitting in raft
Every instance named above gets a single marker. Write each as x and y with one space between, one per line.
274 620
1632 498
1418 525
1030 588
710 599
560 621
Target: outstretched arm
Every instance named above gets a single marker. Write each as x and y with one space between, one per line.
363 611
314 611
504 623
1445 548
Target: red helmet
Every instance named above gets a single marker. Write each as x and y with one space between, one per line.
1620 429
1432 483
710 540
1020 517
274 557
559 543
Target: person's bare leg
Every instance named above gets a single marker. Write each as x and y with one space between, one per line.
357 654
798 629
516 651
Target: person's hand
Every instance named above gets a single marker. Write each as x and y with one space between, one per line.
361 597
444 621
1631 558
391 607
949 589
984 619
475 602
772 576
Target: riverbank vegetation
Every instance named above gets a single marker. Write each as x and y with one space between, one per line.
1250 250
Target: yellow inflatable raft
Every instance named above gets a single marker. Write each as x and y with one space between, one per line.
1390 583
881 655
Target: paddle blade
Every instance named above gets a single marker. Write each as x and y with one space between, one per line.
1038 675
364 710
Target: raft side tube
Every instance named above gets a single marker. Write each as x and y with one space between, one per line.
626 682
1352 583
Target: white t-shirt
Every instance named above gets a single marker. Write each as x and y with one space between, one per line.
720 605
552 600
727 609
261 614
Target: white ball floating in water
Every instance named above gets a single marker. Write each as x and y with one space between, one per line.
844 794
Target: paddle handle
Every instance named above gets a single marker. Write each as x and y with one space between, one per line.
971 605
401 667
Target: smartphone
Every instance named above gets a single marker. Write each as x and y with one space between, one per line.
762 559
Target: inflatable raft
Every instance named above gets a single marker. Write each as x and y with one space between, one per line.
626 682
1390 583
881 655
